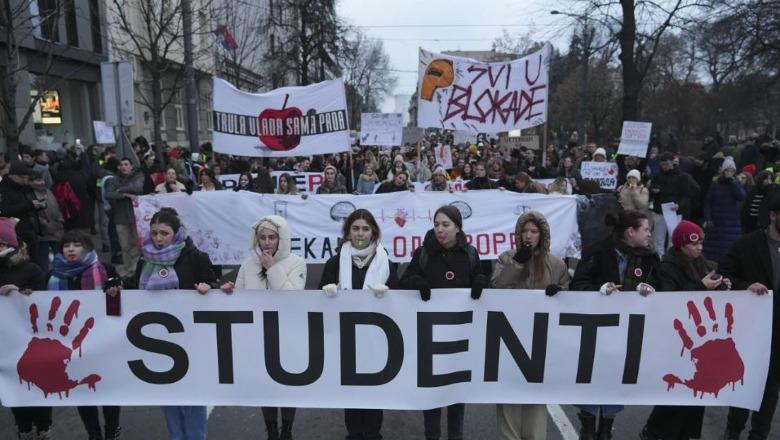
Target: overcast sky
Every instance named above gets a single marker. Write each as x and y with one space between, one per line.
389 20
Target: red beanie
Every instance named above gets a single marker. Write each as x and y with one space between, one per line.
686 232
8 233
750 169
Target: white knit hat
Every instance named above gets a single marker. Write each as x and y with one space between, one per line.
600 152
728 162
635 174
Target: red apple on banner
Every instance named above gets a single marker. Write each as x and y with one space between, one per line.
277 139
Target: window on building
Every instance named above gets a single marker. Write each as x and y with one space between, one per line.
96 26
179 111
71 24
209 120
48 19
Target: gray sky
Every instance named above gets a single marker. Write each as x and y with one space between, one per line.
401 43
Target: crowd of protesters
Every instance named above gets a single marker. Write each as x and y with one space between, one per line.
54 207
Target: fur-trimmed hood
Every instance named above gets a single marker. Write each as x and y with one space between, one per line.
284 236
17 257
540 220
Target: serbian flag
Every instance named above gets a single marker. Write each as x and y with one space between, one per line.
225 38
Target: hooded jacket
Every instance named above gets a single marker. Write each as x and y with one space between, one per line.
17 269
288 271
507 273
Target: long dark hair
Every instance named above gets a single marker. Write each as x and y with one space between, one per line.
248 185
361 214
167 216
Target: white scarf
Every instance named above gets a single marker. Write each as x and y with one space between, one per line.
378 269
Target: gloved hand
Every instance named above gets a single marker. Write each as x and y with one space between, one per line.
379 290
8 288
330 290
552 289
609 288
523 254
645 289
417 282
480 282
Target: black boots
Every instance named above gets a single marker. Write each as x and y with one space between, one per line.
113 433
605 428
286 433
273 429
587 426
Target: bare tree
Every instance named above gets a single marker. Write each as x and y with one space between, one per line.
20 29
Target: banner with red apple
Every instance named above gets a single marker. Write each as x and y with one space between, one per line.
291 121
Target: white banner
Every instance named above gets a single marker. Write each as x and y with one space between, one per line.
219 221
605 173
464 94
635 138
383 129
397 352
291 121
308 182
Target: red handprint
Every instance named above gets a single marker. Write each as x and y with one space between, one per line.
717 361
44 362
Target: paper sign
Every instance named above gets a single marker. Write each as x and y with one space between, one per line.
104 134
384 129
670 216
605 173
443 156
635 138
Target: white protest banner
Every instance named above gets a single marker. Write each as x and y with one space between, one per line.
605 173
307 182
219 221
443 155
104 134
383 129
291 121
358 351
635 138
464 94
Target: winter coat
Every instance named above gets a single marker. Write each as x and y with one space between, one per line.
599 265
337 188
674 278
676 187
17 269
192 267
508 272
330 274
441 262
480 183
163 188
755 208
288 271
389 187
721 210
365 185
636 200
16 201
116 188
50 219
78 172
747 262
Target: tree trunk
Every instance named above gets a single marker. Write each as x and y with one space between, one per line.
631 79
157 110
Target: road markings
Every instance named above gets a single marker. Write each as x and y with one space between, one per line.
562 422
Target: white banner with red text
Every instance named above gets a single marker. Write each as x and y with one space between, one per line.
304 349
219 221
291 121
465 94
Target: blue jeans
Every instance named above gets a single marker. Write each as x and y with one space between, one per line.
607 411
186 422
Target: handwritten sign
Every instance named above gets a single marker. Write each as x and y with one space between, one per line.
104 134
464 94
384 129
605 173
635 138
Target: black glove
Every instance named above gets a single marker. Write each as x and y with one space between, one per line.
480 282
419 283
425 293
523 254
552 289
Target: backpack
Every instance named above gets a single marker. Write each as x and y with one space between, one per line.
67 200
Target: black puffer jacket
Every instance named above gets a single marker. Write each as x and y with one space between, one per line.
192 267
676 186
458 263
599 265
17 269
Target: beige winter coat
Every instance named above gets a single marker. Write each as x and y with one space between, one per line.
508 272
635 200
288 271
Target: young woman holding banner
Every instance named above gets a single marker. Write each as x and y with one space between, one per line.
529 266
271 266
360 264
76 267
683 268
169 260
445 260
623 262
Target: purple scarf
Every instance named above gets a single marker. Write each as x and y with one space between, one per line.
158 272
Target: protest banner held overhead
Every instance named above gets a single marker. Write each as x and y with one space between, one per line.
358 351
291 121
382 129
635 138
464 94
